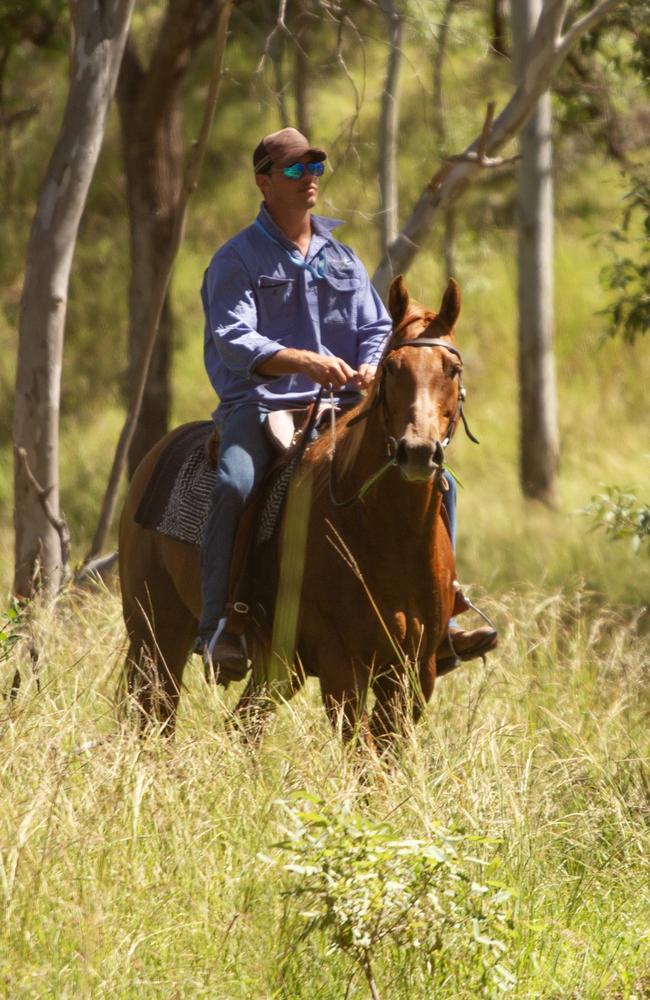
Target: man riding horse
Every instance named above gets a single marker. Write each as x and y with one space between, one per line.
288 309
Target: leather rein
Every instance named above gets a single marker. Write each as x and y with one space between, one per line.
391 443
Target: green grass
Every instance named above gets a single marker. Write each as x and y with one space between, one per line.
134 869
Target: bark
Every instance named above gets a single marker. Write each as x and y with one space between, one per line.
388 127
545 54
161 286
302 69
538 430
99 36
499 41
440 132
149 102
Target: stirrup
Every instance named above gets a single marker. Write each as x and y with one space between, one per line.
470 604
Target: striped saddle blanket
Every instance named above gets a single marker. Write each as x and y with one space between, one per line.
177 500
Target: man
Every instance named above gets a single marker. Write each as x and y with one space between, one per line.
288 308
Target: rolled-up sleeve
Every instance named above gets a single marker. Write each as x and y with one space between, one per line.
373 322
232 319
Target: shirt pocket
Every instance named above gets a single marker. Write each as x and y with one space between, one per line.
342 285
278 305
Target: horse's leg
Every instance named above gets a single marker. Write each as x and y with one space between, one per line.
161 631
255 708
400 697
154 668
344 697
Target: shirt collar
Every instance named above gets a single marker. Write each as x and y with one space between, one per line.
321 225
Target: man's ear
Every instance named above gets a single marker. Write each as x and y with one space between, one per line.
262 181
450 305
398 300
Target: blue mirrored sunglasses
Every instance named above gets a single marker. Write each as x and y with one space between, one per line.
297 170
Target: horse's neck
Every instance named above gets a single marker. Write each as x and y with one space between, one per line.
404 509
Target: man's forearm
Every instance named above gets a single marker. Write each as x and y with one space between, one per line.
320 368
288 361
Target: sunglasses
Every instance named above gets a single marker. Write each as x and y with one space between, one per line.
297 170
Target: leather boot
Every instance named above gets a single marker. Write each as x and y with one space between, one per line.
467 645
224 661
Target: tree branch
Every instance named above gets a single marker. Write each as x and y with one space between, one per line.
583 25
543 57
59 523
479 156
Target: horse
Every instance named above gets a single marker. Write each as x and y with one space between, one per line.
378 581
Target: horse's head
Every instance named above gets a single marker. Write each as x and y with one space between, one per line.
422 385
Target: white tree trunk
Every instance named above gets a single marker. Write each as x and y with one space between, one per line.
100 28
547 51
538 431
388 127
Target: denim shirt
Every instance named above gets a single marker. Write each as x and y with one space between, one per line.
259 298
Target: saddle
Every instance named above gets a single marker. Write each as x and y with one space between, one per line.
177 500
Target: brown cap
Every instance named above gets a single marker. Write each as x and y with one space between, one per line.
279 149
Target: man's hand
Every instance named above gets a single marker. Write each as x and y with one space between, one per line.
365 376
320 368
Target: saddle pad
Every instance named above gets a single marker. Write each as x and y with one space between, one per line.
177 500
178 494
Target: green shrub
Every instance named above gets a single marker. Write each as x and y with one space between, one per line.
369 889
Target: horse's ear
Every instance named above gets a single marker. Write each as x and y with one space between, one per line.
450 306
398 300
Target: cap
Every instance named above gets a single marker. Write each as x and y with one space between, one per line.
284 147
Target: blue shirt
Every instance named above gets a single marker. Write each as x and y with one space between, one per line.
259 298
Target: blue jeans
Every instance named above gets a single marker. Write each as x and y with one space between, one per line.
245 454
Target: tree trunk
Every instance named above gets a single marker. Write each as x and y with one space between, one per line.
388 128
221 18
149 102
499 42
99 36
153 161
538 431
440 132
302 69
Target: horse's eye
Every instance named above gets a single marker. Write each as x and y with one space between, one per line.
390 366
455 370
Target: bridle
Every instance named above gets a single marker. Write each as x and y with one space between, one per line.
379 400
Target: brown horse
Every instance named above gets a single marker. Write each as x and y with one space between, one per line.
377 588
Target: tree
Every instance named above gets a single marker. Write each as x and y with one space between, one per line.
547 50
388 126
538 421
99 34
161 285
151 116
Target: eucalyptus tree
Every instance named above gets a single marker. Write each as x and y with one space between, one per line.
150 103
99 34
538 419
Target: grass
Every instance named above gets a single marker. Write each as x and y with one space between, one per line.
132 868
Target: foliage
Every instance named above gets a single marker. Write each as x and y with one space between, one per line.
34 20
366 886
621 515
9 632
629 274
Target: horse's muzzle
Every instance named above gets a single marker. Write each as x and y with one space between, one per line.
418 462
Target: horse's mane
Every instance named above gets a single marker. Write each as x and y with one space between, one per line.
348 439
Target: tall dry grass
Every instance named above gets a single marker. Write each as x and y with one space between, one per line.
143 868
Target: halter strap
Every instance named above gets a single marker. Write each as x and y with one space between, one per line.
425 342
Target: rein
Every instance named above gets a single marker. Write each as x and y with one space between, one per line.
391 444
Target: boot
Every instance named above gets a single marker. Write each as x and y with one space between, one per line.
224 659
464 645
